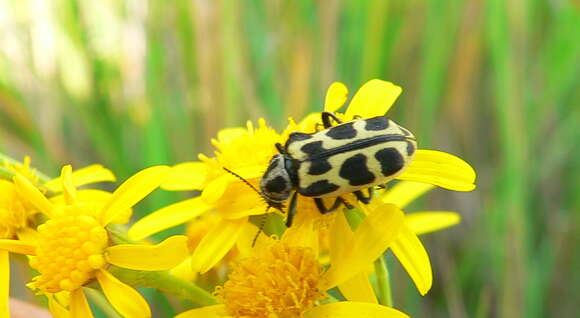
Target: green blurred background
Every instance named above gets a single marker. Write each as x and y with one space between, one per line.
134 83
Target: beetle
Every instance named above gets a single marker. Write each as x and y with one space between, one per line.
346 158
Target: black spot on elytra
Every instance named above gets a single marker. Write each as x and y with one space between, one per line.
276 185
298 136
410 148
377 123
313 148
319 166
319 188
355 170
344 131
391 161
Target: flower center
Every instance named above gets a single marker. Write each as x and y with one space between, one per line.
280 281
70 249
256 144
14 212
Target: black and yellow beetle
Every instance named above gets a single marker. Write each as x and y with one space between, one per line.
345 158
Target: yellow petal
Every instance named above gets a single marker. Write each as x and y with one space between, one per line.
98 198
302 234
340 238
69 190
405 192
79 307
87 175
186 176
349 309
374 235
18 247
31 193
412 254
184 271
441 169
430 221
226 135
28 235
215 311
374 98
216 243
132 191
126 300
358 288
4 284
240 201
169 216
159 257
335 97
56 309
247 237
215 189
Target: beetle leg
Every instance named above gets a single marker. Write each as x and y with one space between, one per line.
361 197
322 208
318 127
291 209
347 204
326 119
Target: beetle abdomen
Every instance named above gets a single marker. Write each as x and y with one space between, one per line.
351 156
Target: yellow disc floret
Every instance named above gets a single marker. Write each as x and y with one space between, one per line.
70 249
279 281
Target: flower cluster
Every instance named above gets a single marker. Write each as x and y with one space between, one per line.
71 241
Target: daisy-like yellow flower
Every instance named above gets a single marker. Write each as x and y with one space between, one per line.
73 246
283 278
17 215
359 250
248 151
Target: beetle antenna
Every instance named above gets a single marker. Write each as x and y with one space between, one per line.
261 227
244 180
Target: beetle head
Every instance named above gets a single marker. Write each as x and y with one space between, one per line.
276 184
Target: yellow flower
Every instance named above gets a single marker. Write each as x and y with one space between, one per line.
248 151
283 279
73 246
17 213
243 150
351 255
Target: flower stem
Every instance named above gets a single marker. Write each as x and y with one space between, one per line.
383 282
166 283
100 301
160 280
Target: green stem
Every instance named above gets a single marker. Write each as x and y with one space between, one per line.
166 283
383 282
100 301
159 280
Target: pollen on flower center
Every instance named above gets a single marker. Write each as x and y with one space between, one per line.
280 281
70 249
